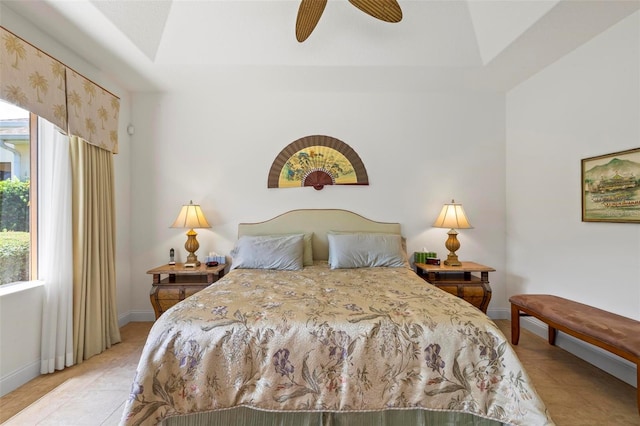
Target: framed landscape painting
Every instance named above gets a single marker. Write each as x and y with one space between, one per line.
611 187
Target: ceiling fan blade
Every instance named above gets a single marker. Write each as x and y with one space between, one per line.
385 10
309 14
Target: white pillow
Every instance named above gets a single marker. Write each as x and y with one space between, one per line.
268 252
364 250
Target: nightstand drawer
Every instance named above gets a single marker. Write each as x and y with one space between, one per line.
460 281
164 296
179 283
477 295
176 293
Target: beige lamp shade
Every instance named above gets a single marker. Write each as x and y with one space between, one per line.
452 216
190 217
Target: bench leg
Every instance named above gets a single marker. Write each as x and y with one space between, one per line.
638 385
515 324
552 335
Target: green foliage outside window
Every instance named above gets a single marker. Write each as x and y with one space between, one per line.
14 257
14 231
14 205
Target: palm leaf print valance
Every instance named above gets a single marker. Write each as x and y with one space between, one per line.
92 111
317 161
33 80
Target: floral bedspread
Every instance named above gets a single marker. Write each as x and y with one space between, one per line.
329 340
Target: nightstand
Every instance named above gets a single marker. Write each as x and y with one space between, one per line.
179 283
460 281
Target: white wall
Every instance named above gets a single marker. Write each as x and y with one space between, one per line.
584 105
20 331
216 148
21 314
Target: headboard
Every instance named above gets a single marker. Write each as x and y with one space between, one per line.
318 221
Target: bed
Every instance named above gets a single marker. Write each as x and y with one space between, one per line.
322 322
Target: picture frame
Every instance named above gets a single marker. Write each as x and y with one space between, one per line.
611 187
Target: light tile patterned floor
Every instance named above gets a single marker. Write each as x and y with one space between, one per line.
93 393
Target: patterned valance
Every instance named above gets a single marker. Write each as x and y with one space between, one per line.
33 80
93 112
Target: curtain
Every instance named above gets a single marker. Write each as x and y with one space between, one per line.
55 245
95 322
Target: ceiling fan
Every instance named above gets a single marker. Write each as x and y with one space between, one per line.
310 11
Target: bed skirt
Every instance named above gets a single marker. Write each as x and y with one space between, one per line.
243 416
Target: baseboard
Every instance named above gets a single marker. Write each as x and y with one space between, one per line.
136 316
18 378
502 314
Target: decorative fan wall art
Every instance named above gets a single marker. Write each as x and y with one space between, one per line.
317 161
310 11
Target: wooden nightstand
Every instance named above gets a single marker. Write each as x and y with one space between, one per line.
179 283
459 281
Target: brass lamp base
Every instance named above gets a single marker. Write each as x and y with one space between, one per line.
452 260
192 246
452 244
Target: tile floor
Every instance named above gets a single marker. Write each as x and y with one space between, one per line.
93 393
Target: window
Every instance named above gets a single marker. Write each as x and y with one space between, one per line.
5 170
17 194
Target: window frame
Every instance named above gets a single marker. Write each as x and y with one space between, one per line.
33 196
32 269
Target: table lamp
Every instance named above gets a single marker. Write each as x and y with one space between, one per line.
452 216
191 217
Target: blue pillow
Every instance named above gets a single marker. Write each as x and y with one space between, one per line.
284 252
365 250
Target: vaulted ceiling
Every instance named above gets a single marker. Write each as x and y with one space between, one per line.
469 44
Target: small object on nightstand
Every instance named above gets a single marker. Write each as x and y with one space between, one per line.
172 259
212 263
190 265
428 257
215 257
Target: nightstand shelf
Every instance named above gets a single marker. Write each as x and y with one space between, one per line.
461 281
179 282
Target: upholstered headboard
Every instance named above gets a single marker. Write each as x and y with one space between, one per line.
318 221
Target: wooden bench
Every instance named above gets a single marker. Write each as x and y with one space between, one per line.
614 333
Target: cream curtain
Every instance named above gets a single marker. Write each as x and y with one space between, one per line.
95 322
55 248
36 82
